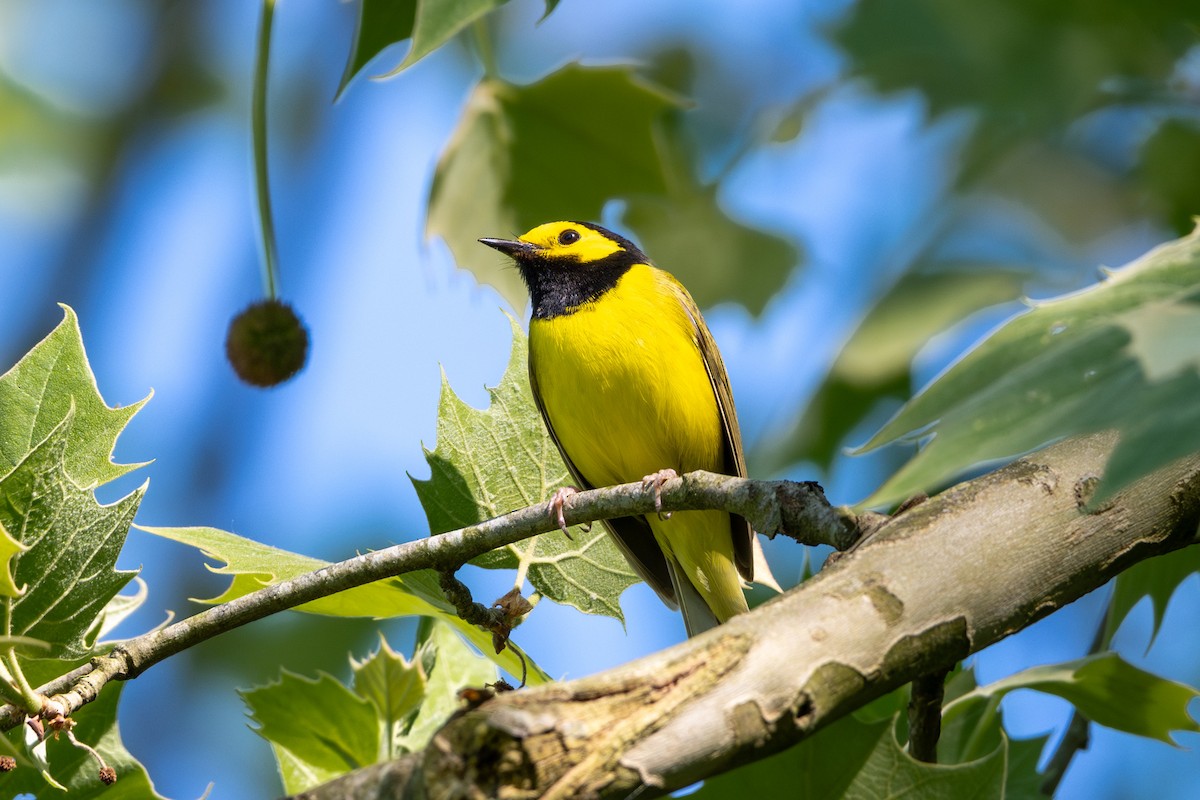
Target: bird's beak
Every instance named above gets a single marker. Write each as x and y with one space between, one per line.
513 248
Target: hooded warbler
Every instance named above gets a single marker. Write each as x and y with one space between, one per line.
631 386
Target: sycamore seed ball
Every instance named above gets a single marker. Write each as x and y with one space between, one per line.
267 343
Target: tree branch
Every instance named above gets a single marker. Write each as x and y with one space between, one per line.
943 580
799 510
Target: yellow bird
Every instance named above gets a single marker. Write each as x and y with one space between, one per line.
632 387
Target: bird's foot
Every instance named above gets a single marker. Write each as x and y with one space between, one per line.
556 509
656 480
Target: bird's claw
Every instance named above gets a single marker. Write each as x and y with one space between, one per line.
656 480
556 509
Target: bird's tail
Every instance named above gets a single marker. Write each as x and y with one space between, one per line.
700 555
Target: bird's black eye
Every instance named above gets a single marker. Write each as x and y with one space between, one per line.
569 236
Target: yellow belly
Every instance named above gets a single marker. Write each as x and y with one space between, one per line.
625 388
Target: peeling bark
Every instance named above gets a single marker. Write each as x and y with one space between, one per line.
944 579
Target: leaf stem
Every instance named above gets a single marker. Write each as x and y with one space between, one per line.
27 698
262 182
974 746
482 38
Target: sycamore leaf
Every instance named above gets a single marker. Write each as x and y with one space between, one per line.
854 758
380 23
253 565
1084 362
890 772
318 728
429 23
497 460
321 729
451 666
43 387
1104 688
1156 578
876 361
72 546
393 684
687 233
502 172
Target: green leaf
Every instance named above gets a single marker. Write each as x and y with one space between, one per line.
96 725
503 170
687 233
497 460
854 758
9 548
890 772
824 765
1024 781
1029 66
438 20
876 361
394 685
451 666
978 729
318 728
1104 688
37 393
429 23
1169 159
321 729
380 23
1156 578
72 546
1068 366
254 565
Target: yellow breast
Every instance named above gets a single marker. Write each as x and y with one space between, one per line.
624 384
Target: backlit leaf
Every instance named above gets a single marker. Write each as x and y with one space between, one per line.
253 565
489 462
1104 688
1084 362
502 172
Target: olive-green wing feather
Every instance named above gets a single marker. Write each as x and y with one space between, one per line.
734 459
632 535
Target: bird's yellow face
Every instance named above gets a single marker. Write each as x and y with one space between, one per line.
570 241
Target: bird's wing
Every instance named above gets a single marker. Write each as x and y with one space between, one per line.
632 535
734 458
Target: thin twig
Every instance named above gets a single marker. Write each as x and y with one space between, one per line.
798 510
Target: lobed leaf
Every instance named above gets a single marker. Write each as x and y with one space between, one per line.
253 565
451 666
68 566
42 388
875 363
393 684
1156 578
1084 362
320 729
855 758
502 172
1104 688
489 462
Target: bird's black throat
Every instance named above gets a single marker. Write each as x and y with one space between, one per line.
558 287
